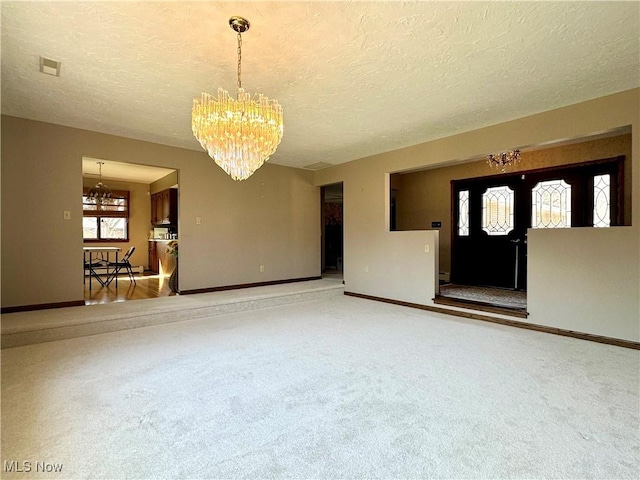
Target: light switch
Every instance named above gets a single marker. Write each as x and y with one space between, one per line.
198 220
426 248
67 215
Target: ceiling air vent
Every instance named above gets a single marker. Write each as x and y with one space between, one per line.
317 166
50 67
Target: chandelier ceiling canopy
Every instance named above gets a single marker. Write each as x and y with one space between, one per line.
504 159
100 194
238 134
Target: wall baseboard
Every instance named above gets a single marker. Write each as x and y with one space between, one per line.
512 323
76 303
247 285
41 306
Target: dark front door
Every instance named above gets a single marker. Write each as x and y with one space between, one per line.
491 249
491 216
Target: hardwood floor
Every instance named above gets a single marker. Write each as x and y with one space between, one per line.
146 286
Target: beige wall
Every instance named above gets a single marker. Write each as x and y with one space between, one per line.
164 183
425 196
585 281
411 257
366 200
139 219
271 219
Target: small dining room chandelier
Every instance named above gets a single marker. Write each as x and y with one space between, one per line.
100 194
241 134
504 159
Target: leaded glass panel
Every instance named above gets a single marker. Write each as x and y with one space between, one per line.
497 210
463 213
551 204
602 200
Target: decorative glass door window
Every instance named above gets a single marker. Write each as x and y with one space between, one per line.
551 204
497 210
602 200
463 213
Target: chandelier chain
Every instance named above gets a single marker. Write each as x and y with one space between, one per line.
239 60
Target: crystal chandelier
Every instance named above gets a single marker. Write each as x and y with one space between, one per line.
240 135
504 159
100 194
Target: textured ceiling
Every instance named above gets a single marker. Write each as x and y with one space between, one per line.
123 171
354 78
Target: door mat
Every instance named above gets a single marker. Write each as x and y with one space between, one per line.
489 295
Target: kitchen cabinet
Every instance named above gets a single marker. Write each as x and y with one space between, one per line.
156 209
164 207
153 257
154 205
160 261
160 210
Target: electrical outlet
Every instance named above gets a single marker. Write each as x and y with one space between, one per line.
261 268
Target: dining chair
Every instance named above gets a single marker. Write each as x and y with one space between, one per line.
123 263
90 266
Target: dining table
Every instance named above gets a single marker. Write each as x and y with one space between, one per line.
103 256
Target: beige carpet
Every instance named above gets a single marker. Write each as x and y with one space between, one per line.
26 328
338 388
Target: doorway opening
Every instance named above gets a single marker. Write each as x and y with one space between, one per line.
491 216
331 217
143 218
555 174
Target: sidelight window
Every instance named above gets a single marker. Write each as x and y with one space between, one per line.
602 200
463 213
